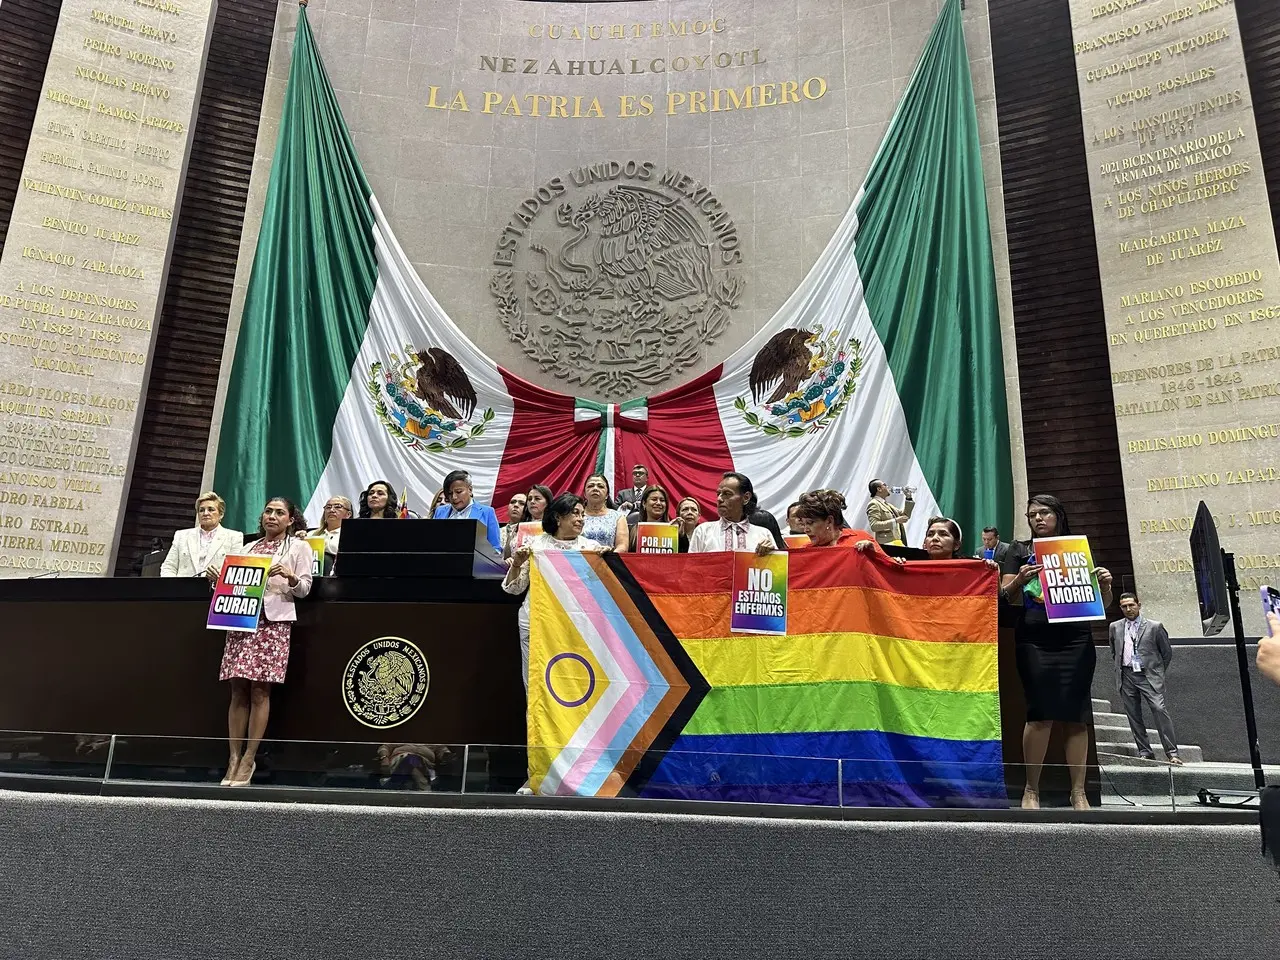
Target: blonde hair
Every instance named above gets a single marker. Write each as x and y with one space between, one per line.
217 501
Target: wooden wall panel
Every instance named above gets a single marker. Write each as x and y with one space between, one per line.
27 28
185 362
1065 375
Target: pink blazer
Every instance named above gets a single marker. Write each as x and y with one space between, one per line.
278 605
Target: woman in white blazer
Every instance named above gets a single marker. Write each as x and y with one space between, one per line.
199 550
254 661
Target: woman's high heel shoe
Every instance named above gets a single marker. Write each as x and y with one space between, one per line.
232 766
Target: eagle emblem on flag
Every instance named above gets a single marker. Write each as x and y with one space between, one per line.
800 381
426 400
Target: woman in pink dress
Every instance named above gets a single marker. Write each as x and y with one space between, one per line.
254 661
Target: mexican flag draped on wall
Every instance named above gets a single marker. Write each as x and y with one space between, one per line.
347 370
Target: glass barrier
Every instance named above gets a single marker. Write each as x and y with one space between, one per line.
1119 782
79 755
310 764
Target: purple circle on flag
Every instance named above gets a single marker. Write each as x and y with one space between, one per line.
591 679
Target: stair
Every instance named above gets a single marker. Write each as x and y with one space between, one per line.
1125 753
1148 784
1113 736
1126 777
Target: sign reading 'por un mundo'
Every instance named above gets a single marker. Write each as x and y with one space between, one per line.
83 270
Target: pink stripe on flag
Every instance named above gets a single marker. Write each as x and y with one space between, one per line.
603 738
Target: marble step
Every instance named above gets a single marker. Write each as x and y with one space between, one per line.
1151 780
1122 752
1101 706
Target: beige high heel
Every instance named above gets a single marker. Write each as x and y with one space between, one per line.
231 772
253 768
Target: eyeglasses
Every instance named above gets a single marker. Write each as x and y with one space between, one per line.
1036 514
335 506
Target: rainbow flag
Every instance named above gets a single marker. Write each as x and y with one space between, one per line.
883 692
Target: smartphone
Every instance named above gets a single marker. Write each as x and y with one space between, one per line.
1270 601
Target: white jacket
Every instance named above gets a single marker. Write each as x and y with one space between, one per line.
184 555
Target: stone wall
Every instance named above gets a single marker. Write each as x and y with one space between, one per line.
768 181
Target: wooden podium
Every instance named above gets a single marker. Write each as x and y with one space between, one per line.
133 656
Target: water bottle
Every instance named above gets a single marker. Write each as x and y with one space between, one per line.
907 490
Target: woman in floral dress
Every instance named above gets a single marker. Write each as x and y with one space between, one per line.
254 661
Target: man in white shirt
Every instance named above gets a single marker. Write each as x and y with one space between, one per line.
733 532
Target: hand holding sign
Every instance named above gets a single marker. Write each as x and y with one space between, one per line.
283 570
237 596
657 538
1073 588
759 594
1026 573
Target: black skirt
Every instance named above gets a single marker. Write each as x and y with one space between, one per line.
1055 663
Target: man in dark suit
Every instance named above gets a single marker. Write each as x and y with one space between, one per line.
991 541
1141 653
629 499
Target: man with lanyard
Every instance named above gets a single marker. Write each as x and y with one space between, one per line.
1141 653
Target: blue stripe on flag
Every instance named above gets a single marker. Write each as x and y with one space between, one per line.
879 769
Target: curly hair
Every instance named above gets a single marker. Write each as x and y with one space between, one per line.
559 508
823 505
390 511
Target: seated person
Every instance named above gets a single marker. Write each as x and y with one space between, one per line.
797 526
378 502
733 532
199 551
336 509
688 515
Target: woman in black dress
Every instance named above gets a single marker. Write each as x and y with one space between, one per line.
1055 660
